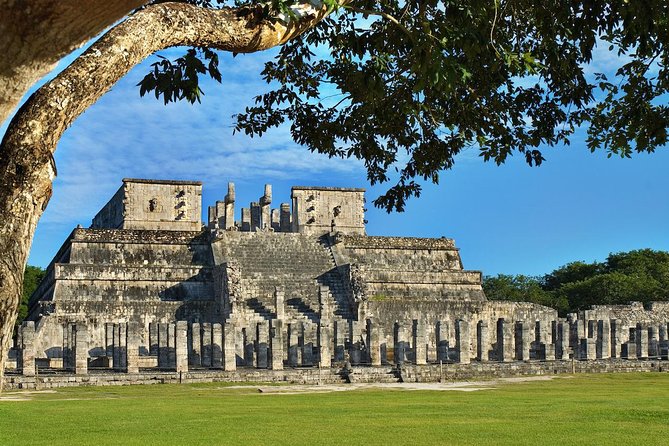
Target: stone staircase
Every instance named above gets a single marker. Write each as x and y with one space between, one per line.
294 263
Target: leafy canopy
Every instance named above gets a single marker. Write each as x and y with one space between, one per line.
405 86
641 276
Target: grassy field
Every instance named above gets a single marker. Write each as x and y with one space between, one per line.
584 409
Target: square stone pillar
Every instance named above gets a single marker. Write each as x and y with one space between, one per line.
293 345
604 339
588 348
265 209
308 338
276 344
246 219
616 340
256 216
181 346
109 343
206 344
441 335
641 341
462 341
522 341
419 342
548 352
628 350
340 332
482 341
229 347
373 343
216 345
505 338
195 345
229 221
279 304
153 339
133 336
653 341
284 217
171 344
27 358
561 339
121 346
399 344
163 357
324 344
262 344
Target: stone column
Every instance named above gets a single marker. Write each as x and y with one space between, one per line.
324 344
616 340
229 348
462 340
68 346
653 341
181 346
284 217
265 201
561 339
279 304
220 215
171 343
246 219
588 348
293 347
195 345
308 337
441 329
339 339
419 344
27 358
276 344
216 345
505 345
604 339
163 357
641 341
482 341
121 347
132 347
211 217
262 344
400 344
229 221
153 339
109 343
373 343
206 344
522 341
256 217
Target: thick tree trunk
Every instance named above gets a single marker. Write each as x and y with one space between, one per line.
36 35
26 154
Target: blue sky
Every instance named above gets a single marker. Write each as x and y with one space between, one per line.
509 219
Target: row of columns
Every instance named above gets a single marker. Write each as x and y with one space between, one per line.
271 344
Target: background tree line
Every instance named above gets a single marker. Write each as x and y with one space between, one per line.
640 275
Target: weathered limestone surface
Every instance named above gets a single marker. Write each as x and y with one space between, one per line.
147 287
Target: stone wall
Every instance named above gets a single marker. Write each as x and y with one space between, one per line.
153 204
319 210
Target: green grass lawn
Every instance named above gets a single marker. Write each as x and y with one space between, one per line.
584 410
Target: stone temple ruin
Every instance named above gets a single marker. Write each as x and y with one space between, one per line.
147 289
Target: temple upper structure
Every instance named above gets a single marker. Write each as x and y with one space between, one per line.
154 205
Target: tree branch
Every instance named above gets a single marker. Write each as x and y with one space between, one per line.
386 16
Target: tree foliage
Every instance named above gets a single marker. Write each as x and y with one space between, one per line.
32 276
641 275
406 86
